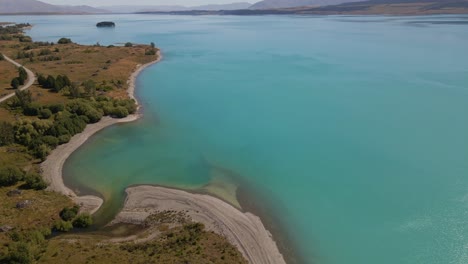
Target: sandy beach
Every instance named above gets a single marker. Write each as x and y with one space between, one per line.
244 230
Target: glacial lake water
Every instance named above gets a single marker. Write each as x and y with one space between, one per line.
352 131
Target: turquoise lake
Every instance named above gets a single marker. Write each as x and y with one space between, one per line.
353 131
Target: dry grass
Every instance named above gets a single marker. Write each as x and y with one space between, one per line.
7 72
107 66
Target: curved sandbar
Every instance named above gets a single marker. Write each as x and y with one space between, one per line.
52 167
244 230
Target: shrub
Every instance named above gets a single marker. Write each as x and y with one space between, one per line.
82 221
10 175
119 112
15 83
64 41
128 44
2 57
67 213
45 113
64 139
55 108
20 253
7 132
32 109
35 181
62 226
50 141
41 151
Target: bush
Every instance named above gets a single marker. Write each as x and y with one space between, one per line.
19 253
64 139
128 44
45 113
32 109
34 181
64 41
62 226
67 213
15 83
7 132
10 175
119 112
55 108
41 151
82 221
2 57
51 141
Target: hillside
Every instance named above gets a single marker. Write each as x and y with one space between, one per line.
167 8
34 6
275 4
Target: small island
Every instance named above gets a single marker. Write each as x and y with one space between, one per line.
105 24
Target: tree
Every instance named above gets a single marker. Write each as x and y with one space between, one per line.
15 83
24 97
45 113
42 80
83 220
128 44
22 75
74 90
10 175
152 45
50 82
68 213
35 181
90 87
7 132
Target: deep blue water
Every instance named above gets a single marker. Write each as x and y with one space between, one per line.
356 127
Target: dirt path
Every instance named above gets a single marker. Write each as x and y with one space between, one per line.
30 81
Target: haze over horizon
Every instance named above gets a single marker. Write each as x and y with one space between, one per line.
139 2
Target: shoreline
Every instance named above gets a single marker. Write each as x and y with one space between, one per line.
52 167
242 229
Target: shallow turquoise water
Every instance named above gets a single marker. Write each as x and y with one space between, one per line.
356 127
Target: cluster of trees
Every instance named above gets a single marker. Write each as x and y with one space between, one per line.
70 219
56 84
43 55
58 122
10 175
22 77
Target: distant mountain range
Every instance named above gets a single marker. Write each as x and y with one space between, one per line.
33 6
318 7
164 8
275 4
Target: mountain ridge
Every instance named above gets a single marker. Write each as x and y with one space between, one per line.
34 6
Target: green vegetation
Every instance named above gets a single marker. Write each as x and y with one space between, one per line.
82 221
78 86
128 44
10 175
64 41
21 79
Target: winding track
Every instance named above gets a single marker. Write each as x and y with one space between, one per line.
30 81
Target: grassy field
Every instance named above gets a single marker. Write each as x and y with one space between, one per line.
7 72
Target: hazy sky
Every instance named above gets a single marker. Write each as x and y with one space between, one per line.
141 2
